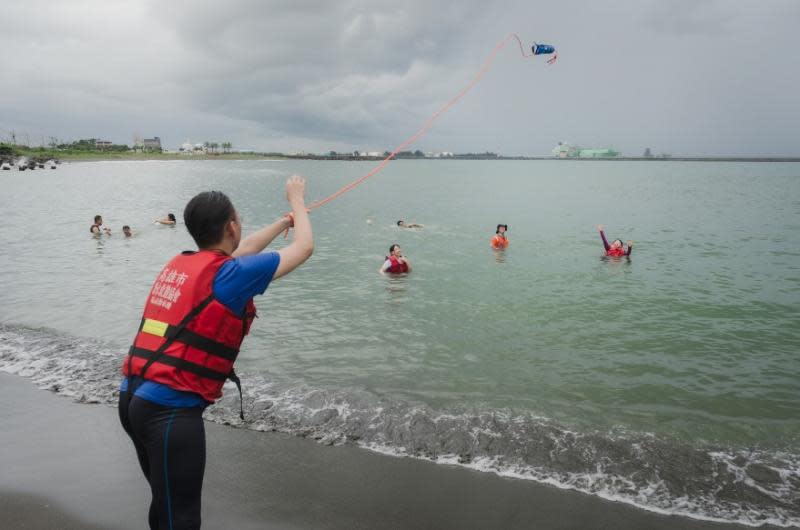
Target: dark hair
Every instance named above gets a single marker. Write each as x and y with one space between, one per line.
497 231
126 227
620 242
399 222
97 218
171 216
206 215
392 247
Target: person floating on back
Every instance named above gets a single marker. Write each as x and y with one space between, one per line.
395 262
168 220
403 224
500 241
198 311
97 228
616 248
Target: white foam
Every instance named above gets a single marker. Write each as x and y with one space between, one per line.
89 372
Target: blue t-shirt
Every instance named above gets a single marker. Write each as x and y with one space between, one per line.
237 281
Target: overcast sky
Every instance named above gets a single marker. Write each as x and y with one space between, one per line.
683 77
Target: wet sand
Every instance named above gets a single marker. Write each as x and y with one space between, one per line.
69 465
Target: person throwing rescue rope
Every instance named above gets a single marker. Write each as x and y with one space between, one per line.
197 313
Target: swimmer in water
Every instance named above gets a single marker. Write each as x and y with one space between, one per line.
97 228
168 220
127 231
500 241
395 262
403 224
616 249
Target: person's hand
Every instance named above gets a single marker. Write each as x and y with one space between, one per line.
599 228
295 191
630 243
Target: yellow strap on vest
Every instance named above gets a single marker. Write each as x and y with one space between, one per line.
155 327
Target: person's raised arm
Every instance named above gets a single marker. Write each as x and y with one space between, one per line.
630 248
258 241
603 236
302 247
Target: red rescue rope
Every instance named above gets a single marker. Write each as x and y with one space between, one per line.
429 123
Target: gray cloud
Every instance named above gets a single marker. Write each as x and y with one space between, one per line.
713 77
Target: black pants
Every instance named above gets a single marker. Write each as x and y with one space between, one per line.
171 446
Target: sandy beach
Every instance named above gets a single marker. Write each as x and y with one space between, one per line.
69 465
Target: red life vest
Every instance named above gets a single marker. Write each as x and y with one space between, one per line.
616 252
396 267
188 340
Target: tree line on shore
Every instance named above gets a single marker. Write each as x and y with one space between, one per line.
92 147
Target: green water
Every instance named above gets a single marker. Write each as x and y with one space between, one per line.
697 334
670 380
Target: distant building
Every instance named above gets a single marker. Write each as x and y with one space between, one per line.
564 150
102 144
598 153
152 144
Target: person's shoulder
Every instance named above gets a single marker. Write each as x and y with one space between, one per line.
254 262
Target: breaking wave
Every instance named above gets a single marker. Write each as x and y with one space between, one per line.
746 486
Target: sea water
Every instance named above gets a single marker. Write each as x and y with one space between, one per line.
670 380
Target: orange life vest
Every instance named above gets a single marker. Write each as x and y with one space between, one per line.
499 241
188 340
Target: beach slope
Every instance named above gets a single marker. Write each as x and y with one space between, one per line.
69 465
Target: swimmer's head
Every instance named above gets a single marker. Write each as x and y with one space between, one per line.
98 219
171 217
401 223
617 243
395 250
207 217
504 227
126 230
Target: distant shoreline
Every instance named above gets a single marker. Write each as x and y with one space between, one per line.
345 157
550 158
471 158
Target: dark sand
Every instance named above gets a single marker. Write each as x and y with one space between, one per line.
67 465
